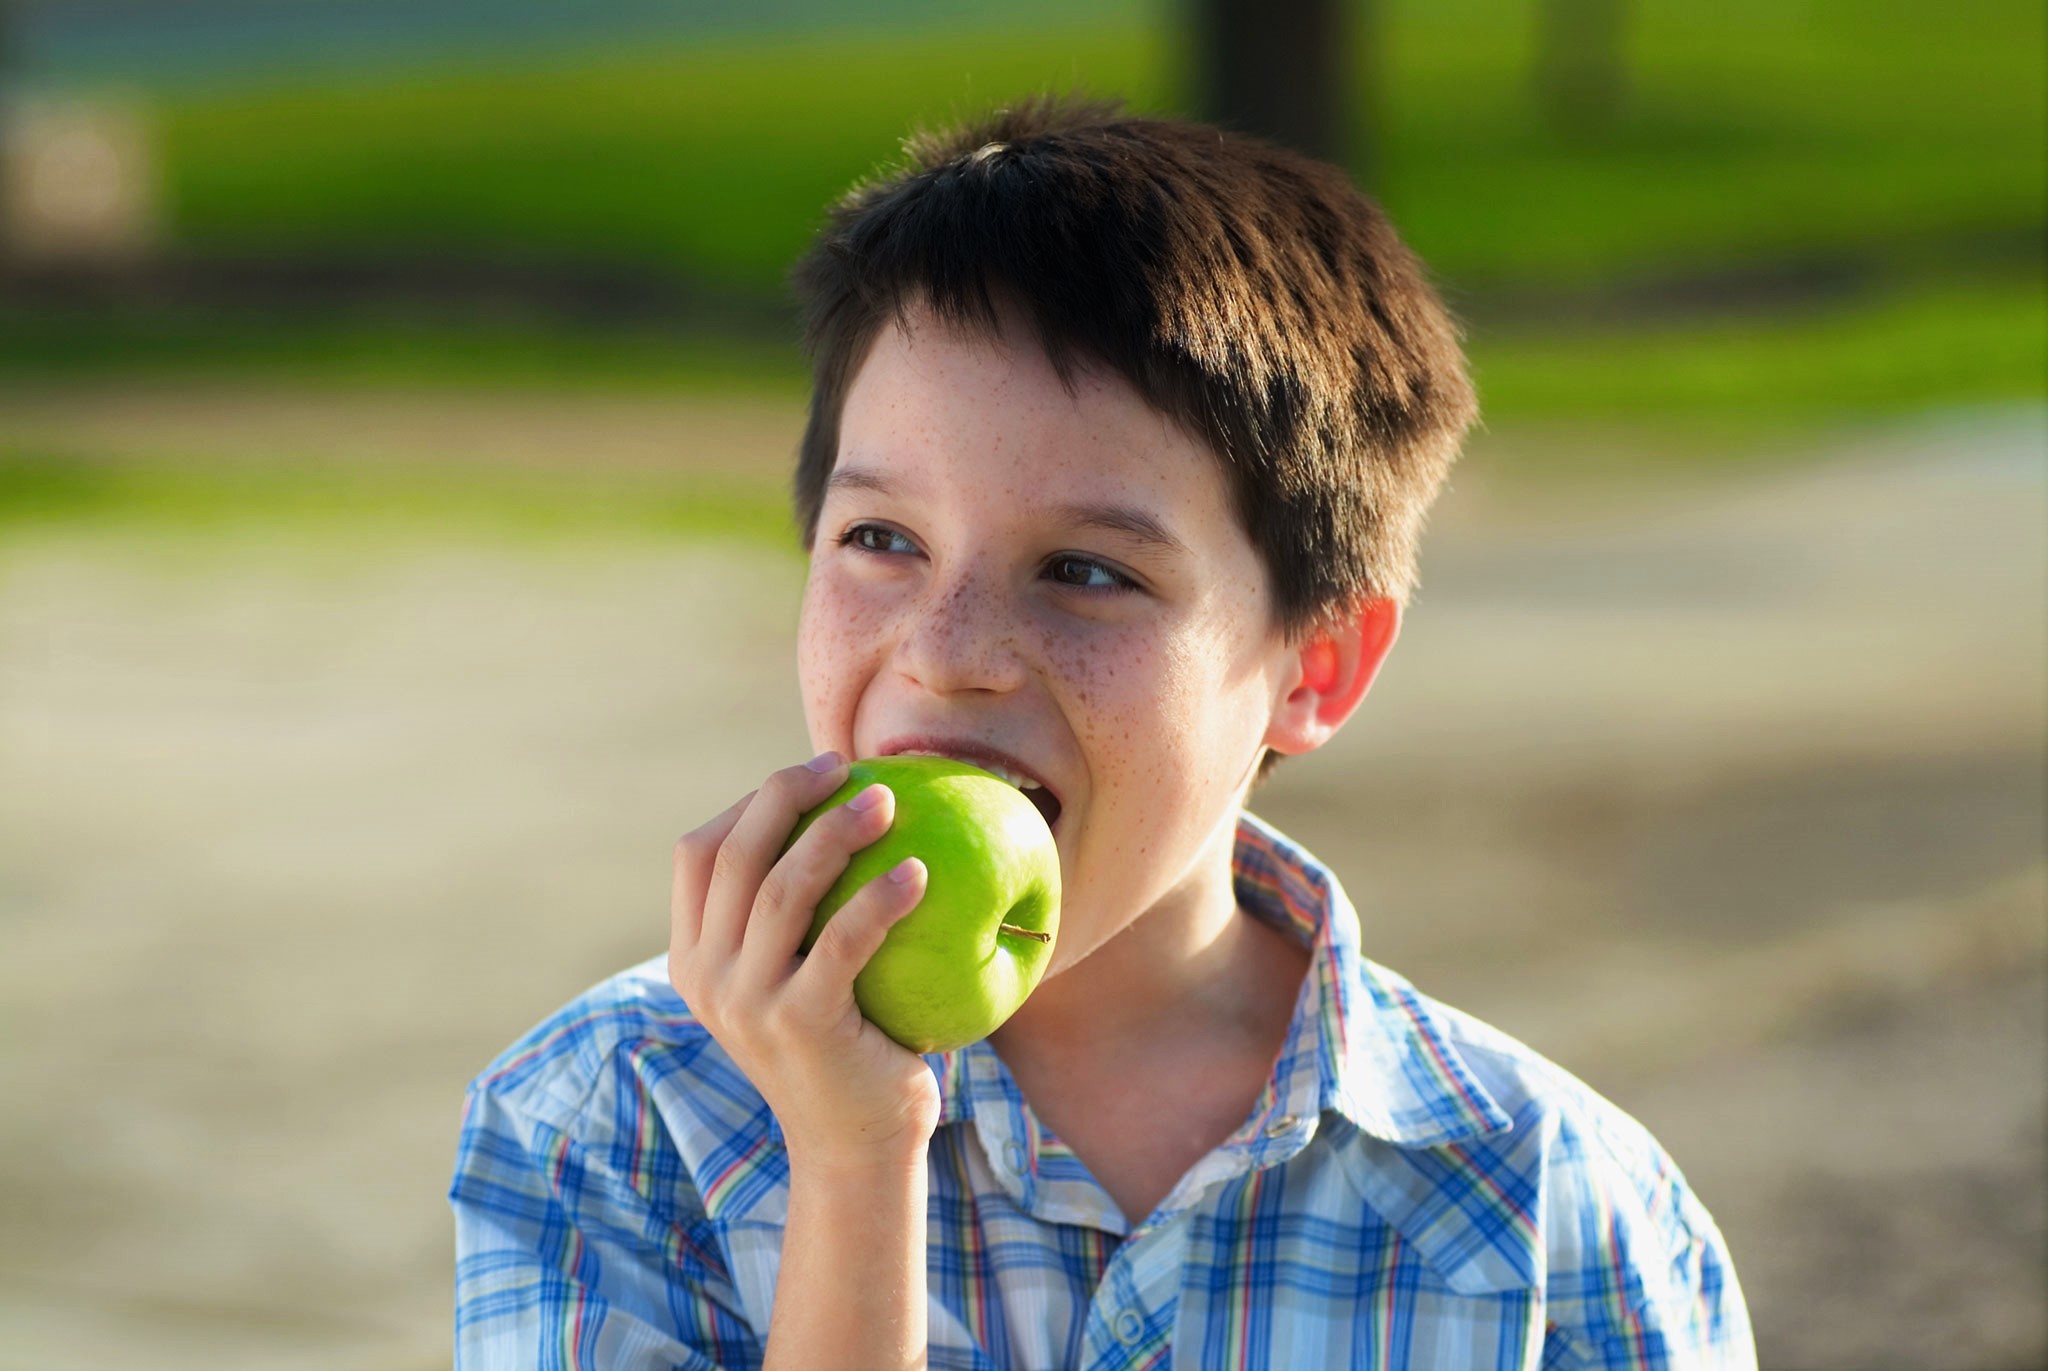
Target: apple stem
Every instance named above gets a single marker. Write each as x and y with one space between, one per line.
1030 933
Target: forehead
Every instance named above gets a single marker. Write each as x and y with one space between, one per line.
940 403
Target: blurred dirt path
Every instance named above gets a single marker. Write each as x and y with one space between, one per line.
1730 798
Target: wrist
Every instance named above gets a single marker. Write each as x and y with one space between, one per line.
836 1162
887 1143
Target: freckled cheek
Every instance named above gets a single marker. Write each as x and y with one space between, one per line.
1173 731
1127 705
837 637
1188 735
1088 669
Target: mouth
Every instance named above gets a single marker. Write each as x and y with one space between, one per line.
998 764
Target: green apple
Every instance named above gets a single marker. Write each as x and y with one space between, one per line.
950 971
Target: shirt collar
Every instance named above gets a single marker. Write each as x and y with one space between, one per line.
1362 1042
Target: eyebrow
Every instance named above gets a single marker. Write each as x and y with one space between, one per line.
856 478
1128 520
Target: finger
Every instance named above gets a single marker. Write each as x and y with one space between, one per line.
750 849
824 982
803 876
690 875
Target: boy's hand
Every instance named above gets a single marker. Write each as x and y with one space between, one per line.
846 1095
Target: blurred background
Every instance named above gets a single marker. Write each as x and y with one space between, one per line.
395 405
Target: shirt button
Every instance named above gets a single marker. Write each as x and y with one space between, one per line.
1129 1327
1013 1156
1281 1126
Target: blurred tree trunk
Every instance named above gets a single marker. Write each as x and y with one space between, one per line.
1282 69
1581 68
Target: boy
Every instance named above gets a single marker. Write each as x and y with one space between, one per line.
1122 436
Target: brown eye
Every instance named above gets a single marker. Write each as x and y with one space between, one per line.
1086 573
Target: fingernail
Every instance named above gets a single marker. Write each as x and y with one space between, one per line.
905 871
868 798
824 761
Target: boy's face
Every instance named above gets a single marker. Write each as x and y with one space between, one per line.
1056 583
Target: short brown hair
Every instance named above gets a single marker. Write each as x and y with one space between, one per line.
1248 292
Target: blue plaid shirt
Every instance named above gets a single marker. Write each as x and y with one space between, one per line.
1412 1190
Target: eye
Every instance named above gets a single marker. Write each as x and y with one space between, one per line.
1085 573
878 538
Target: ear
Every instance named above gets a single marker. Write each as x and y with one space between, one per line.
1330 671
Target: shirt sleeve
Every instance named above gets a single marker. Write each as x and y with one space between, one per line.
562 1262
1651 1287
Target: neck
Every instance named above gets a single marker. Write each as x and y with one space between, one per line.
1192 968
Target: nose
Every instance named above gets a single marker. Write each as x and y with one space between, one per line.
962 635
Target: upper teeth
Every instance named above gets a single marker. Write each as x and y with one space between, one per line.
1021 782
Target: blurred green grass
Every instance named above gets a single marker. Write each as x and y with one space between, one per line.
1960 339
1901 157
368 504
717 159
1955 342
368 351
1751 128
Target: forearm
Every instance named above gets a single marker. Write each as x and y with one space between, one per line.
852 1286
